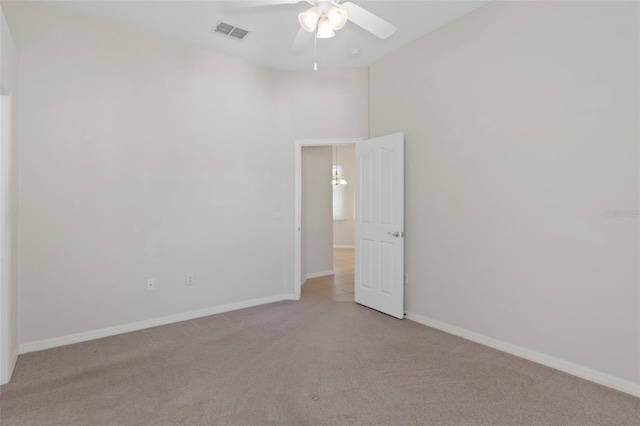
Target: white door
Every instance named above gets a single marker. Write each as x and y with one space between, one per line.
379 239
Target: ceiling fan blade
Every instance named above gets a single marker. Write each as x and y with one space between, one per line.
301 41
367 20
241 4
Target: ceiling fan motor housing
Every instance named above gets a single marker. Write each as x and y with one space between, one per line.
326 16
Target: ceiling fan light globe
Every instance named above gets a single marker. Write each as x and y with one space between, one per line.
324 29
337 17
309 19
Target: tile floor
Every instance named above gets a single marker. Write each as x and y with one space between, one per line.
337 287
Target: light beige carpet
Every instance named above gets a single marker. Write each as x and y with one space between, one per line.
313 362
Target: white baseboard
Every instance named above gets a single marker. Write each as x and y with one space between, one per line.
39 345
14 360
347 247
537 357
320 274
8 371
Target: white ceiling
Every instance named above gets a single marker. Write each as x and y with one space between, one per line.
273 28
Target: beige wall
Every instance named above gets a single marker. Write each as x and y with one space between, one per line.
143 158
521 123
316 204
344 230
9 320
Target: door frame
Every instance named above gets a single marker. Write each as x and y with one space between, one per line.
8 351
297 258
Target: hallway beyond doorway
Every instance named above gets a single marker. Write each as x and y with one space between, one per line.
337 287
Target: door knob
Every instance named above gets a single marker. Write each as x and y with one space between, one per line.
395 234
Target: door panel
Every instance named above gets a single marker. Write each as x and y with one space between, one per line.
386 268
365 186
366 264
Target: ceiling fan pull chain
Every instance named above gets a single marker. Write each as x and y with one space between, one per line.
315 50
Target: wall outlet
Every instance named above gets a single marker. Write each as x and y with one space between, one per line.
151 284
190 280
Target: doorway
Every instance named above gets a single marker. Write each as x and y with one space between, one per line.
340 276
328 222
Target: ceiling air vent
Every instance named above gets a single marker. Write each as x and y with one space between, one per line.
230 31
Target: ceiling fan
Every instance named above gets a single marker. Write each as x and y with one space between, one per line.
327 16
